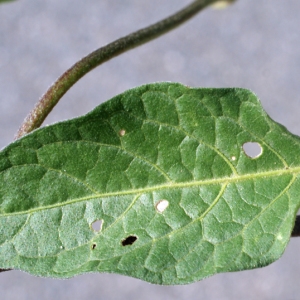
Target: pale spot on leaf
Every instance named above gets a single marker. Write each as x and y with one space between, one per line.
122 132
162 205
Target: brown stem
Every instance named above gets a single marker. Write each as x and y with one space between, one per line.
41 110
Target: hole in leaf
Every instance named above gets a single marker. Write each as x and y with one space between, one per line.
161 205
122 132
129 240
252 149
97 225
94 246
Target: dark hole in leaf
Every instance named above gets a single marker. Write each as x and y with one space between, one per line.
129 240
97 225
252 149
94 246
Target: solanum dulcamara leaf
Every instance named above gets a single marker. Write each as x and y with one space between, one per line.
157 183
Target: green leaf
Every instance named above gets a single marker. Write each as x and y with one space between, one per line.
156 183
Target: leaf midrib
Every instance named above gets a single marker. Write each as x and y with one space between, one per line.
171 185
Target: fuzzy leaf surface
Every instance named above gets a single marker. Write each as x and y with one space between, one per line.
163 172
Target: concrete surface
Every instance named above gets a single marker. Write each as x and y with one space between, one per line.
252 44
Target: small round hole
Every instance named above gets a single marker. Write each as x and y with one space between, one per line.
97 225
129 240
161 205
252 149
122 132
94 246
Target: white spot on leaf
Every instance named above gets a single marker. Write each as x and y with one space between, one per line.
122 132
162 205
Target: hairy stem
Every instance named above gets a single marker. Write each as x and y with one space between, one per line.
41 110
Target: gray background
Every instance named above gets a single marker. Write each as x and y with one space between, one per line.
253 44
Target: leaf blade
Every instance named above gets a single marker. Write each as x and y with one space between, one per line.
225 210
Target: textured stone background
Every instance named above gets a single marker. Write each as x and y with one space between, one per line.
252 44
